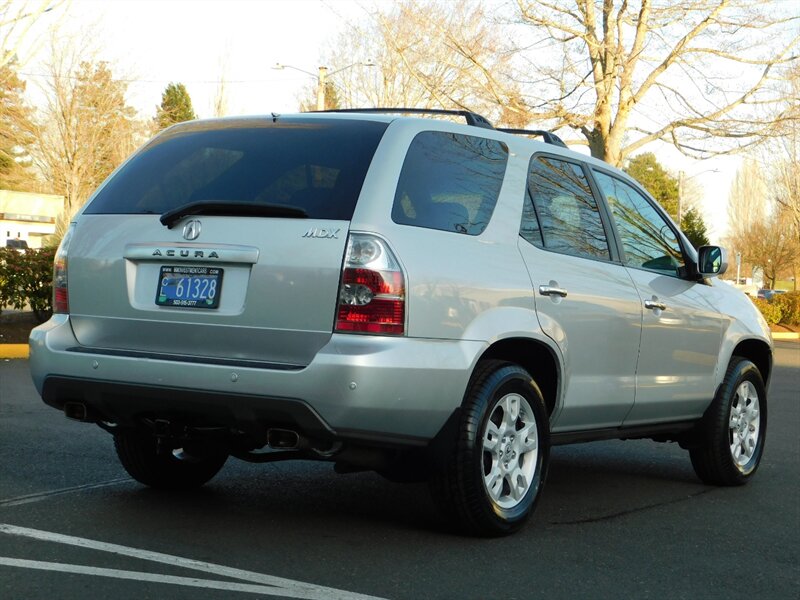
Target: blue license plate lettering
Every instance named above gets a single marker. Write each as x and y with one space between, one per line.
189 287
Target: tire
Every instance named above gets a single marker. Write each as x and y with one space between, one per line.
169 469
734 428
489 480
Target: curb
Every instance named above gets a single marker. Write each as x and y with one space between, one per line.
785 335
13 351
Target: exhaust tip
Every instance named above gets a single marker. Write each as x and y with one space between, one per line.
76 411
283 438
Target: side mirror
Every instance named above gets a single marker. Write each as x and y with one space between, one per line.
711 261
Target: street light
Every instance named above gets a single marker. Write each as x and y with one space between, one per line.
322 77
681 179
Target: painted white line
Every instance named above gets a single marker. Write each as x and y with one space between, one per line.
311 590
30 498
153 578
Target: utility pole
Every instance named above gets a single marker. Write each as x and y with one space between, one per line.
680 196
738 267
321 83
322 77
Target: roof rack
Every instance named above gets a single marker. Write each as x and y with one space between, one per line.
548 137
471 117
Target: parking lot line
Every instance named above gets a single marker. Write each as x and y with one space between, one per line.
228 586
30 498
267 584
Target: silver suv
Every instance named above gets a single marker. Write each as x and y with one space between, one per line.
423 298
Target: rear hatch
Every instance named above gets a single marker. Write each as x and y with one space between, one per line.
222 239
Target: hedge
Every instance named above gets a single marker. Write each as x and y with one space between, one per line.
789 306
26 279
782 309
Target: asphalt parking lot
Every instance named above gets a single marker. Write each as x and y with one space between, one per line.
618 519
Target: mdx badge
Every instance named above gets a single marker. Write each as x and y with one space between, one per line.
192 230
316 232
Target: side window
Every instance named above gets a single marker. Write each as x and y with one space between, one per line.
450 182
568 218
648 240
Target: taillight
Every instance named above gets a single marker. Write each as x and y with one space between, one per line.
60 289
372 298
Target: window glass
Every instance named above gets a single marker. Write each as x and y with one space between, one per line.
648 240
450 182
318 166
529 229
568 214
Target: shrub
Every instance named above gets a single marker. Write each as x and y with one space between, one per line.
770 310
789 305
26 279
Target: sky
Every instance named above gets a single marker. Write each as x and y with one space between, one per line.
154 42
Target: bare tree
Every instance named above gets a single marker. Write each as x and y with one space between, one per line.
220 108
87 128
698 74
782 158
760 228
16 20
427 55
682 72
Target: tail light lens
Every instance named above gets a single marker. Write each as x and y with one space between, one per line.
60 289
372 297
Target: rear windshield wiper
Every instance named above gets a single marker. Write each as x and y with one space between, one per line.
231 209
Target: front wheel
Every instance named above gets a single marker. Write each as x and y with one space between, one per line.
734 428
490 481
165 468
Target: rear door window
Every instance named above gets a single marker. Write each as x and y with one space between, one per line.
450 182
560 212
318 166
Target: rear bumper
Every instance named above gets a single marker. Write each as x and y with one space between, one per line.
381 389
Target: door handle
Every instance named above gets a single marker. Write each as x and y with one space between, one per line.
655 304
549 290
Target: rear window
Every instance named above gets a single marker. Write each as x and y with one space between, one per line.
318 166
450 182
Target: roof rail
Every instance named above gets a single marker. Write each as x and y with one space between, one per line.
548 137
471 117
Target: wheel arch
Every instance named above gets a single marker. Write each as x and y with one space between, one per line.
536 357
759 353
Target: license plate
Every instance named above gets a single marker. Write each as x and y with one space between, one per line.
189 287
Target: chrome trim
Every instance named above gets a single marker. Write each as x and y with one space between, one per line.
187 252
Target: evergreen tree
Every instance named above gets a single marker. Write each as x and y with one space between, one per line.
176 106
16 132
694 228
645 169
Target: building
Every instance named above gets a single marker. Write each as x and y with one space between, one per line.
28 217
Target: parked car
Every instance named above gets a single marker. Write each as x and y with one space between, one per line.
17 244
768 294
424 298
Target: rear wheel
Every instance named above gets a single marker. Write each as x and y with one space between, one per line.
490 481
734 428
165 468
